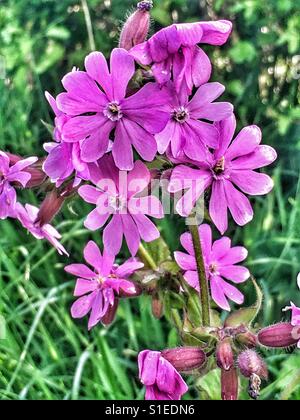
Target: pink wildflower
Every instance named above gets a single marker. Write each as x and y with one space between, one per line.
98 289
220 262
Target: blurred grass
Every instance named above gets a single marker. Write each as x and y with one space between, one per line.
46 354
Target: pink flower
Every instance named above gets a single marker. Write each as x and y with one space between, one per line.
28 216
184 132
10 177
96 113
64 158
119 194
98 289
231 165
220 263
161 379
173 51
295 316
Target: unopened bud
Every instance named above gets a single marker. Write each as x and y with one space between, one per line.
224 354
134 290
137 26
185 359
278 336
247 339
250 363
157 306
229 385
50 207
110 315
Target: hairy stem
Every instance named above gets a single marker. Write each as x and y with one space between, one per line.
204 293
89 25
147 258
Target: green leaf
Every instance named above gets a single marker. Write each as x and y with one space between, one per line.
246 316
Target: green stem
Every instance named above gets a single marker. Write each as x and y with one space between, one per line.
204 292
147 258
89 25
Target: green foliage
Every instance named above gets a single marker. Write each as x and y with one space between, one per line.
47 355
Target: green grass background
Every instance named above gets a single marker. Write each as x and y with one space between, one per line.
47 355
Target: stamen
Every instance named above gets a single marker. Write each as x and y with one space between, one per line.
219 168
181 115
113 111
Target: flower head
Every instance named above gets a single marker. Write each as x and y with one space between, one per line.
173 51
161 379
220 262
28 216
118 194
185 132
232 165
97 103
295 322
12 176
98 289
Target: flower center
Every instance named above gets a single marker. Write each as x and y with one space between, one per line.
117 202
181 115
219 167
213 269
113 111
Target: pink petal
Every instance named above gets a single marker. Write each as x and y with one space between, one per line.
187 243
92 255
262 156
84 286
22 164
246 142
122 70
185 261
251 182
83 305
96 145
97 310
218 294
148 365
80 270
78 128
226 130
206 94
147 229
122 148
129 267
205 234
150 206
233 255
238 204
97 69
4 162
146 107
90 194
221 248
144 142
165 137
131 233
113 235
189 34
216 111
141 53
216 32
201 67
235 273
165 378
73 105
191 277
218 206
96 220
207 133
138 179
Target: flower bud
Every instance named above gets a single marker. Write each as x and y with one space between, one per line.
229 385
50 207
250 363
137 26
247 339
157 307
278 336
185 359
109 317
224 354
134 290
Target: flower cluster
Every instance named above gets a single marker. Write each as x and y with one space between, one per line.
152 112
